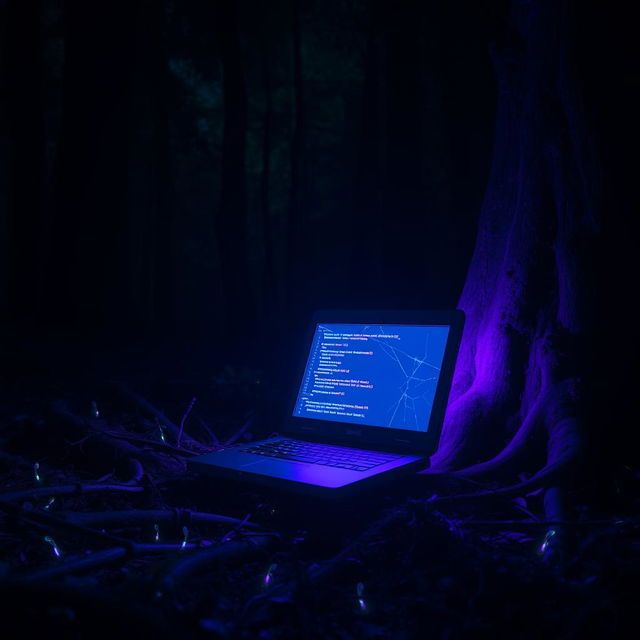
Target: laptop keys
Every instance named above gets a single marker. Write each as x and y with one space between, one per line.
327 455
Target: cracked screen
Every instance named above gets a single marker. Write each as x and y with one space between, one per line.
376 375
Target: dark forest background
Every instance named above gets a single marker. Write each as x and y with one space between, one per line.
194 178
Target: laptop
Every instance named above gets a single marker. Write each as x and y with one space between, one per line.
367 401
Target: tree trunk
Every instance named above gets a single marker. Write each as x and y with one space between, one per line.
516 400
268 278
295 228
231 221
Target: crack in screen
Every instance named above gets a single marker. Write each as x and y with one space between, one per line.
375 375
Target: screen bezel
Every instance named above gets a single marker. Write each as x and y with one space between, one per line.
393 439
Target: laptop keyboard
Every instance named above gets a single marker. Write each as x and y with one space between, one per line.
327 455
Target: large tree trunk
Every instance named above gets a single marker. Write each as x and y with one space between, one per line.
516 396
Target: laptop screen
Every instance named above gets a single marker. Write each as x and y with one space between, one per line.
376 375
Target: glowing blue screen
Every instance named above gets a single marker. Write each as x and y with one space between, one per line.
376 375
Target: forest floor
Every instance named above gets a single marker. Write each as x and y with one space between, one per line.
138 555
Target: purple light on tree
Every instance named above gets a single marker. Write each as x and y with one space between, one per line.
518 378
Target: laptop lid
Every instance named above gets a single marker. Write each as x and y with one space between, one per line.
376 378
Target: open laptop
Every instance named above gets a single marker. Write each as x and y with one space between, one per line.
369 399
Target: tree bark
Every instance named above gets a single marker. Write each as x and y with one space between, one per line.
516 400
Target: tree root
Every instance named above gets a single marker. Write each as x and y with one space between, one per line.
205 561
180 517
104 442
318 574
554 412
553 472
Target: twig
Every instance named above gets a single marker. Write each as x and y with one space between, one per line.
69 489
206 560
184 419
42 518
160 446
179 516
80 564
104 443
76 565
526 524
214 438
138 472
319 573
145 405
239 526
241 430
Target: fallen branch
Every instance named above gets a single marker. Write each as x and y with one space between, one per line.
138 473
104 442
69 489
98 559
205 561
319 574
149 408
45 519
145 442
241 431
178 516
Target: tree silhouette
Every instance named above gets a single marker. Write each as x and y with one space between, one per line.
517 397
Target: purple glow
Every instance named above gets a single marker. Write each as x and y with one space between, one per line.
363 604
269 574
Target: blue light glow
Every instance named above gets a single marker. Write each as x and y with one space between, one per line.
36 469
185 534
359 591
381 376
546 541
56 550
